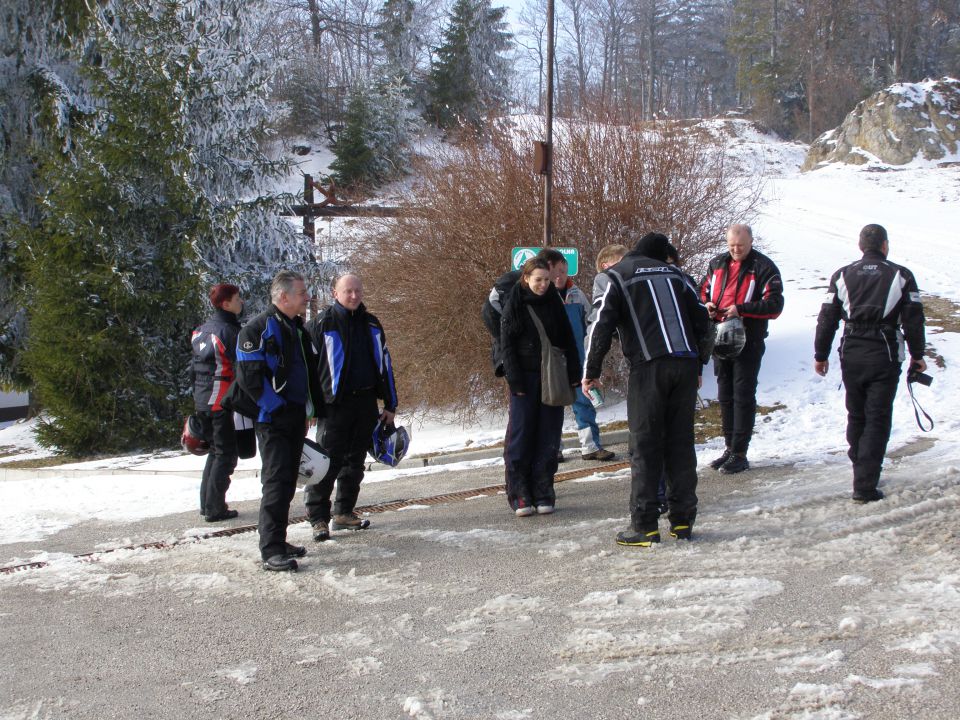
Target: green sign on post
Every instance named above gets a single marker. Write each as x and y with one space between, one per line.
521 254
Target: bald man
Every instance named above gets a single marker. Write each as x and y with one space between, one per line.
355 372
744 283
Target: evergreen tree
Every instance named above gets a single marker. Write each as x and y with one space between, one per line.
398 39
112 266
151 119
230 122
354 162
395 125
470 75
375 144
40 91
764 77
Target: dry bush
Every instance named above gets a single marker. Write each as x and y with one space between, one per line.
427 274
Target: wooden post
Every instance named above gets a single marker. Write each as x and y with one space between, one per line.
309 228
548 175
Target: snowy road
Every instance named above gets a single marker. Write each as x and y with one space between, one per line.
792 602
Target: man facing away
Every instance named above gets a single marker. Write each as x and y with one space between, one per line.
744 283
355 370
875 298
276 384
664 333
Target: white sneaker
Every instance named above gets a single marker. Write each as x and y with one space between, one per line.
525 511
544 509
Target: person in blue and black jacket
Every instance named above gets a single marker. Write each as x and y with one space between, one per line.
355 371
277 384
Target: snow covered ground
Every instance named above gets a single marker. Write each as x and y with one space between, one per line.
887 575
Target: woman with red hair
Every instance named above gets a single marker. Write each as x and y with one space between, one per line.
214 354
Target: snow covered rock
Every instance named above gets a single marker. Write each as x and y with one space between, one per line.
896 126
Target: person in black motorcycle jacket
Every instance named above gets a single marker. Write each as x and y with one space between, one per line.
880 305
277 385
355 370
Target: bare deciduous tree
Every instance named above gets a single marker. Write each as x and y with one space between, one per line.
428 273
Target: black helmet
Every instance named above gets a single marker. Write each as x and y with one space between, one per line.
192 437
731 337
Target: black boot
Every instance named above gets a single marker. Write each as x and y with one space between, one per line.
638 538
280 563
737 463
717 462
295 551
868 497
225 515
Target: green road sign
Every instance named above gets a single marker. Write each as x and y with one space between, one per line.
521 254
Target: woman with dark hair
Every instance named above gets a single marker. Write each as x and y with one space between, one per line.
533 306
214 354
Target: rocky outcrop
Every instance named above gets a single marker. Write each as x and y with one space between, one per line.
896 126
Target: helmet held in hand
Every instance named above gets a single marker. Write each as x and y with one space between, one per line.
192 439
314 462
731 337
390 443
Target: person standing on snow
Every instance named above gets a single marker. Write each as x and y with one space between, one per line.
277 385
875 298
578 309
665 336
533 428
214 353
744 283
354 369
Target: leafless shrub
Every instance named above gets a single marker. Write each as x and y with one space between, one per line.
428 273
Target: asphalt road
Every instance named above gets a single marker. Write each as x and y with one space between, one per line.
791 602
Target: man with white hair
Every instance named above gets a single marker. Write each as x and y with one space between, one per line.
740 283
275 384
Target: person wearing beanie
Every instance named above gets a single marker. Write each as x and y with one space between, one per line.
665 336
214 355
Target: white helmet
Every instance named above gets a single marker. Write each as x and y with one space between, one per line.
731 337
314 463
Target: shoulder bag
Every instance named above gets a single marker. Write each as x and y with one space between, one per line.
555 388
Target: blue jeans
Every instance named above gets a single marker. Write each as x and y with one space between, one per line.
586 417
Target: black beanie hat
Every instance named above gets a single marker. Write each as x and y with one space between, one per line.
654 245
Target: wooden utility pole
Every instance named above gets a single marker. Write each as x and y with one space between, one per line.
548 175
